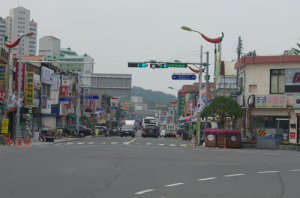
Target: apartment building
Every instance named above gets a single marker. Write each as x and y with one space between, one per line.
16 23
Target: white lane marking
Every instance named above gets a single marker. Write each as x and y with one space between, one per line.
69 143
295 170
209 178
172 145
161 144
148 143
269 172
127 143
103 143
91 142
244 152
144 191
183 145
234 175
170 185
272 154
80 143
114 143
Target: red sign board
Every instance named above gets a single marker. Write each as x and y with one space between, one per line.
22 76
2 95
292 135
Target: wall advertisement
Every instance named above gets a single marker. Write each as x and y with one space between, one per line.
292 80
266 101
47 75
296 100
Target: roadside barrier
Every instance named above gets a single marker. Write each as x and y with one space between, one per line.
8 140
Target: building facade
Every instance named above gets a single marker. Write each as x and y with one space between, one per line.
269 91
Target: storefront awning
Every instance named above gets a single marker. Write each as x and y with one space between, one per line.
2 106
74 115
70 116
87 117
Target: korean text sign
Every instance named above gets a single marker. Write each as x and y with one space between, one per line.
3 73
270 101
4 128
29 88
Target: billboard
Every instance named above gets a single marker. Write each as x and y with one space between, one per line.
266 101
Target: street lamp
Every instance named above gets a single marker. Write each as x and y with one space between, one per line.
20 42
200 83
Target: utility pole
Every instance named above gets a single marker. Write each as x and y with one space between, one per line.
78 104
200 86
239 50
206 84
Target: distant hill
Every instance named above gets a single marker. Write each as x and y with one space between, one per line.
150 96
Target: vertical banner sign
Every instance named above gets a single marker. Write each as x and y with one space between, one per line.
29 88
247 118
4 128
65 88
22 76
3 73
182 105
44 102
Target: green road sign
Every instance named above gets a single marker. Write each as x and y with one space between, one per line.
137 64
167 65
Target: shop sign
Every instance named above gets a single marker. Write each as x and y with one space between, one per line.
3 73
266 101
29 88
182 104
2 95
54 110
65 88
55 84
4 128
190 88
292 80
47 75
22 76
296 100
210 137
36 102
44 102
292 135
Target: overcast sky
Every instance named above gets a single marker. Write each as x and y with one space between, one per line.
115 32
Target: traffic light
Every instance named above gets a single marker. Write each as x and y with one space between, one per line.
30 111
137 64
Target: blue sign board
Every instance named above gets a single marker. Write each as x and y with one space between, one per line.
184 77
91 97
65 99
113 107
54 110
99 109
233 94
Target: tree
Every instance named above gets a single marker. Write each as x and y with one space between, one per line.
119 113
296 51
223 107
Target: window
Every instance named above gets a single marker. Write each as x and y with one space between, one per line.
46 89
37 93
277 81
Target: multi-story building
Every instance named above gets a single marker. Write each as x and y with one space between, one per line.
50 47
16 23
269 92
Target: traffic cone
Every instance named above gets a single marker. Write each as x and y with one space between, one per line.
20 141
8 140
27 140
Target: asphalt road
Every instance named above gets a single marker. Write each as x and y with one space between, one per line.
146 167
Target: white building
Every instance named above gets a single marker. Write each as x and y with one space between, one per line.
18 22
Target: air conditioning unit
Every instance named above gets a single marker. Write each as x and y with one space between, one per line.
249 54
288 52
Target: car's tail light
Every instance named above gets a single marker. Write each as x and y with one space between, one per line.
88 129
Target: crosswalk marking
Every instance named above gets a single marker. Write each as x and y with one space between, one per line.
114 143
91 142
80 143
103 143
161 144
183 145
172 145
69 143
126 143
148 143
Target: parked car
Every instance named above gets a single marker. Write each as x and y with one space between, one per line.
180 131
102 130
150 131
127 130
170 134
83 131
